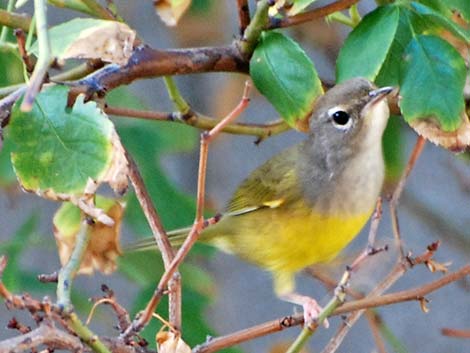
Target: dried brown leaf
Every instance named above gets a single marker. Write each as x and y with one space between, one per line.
170 11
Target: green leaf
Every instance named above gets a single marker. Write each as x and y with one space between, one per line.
462 6
90 38
432 82
283 73
389 74
441 20
299 6
58 148
367 46
11 72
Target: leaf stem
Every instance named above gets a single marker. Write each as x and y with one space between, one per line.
76 5
180 103
98 10
253 31
4 33
44 59
69 270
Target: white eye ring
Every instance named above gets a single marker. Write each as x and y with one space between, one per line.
340 118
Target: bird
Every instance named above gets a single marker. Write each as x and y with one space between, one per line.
305 204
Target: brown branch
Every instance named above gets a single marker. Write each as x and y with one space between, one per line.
45 334
420 142
199 224
14 20
146 62
243 15
452 332
405 295
197 120
313 14
372 300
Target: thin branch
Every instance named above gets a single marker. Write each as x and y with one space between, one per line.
179 102
418 148
262 131
15 20
452 332
199 224
405 295
243 15
69 270
98 10
44 58
76 5
4 32
252 33
313 14
47 335
270 327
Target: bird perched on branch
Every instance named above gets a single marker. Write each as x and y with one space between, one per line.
304 205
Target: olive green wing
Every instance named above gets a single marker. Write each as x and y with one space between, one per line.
272 184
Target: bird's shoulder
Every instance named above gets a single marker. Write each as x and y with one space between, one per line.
272 184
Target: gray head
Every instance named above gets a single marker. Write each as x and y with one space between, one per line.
350 114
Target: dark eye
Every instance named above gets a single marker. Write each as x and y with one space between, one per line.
340 117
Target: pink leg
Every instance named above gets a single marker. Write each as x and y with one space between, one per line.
309 305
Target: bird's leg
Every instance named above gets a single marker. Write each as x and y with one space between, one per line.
310 306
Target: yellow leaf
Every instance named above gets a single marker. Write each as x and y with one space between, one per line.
170 11
171 342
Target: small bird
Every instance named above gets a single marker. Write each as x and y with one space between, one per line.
304 205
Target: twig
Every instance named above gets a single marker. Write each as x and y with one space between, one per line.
76 5
418 148
270 327
44 58
98 10
340 290
252 33
149 210
452 332
161 239
375 324
4 32
14 20
69 270
243 15
47 335
262 131
398 271
179 102
199 224
21 40
313 14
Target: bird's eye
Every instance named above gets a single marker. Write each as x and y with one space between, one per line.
341 119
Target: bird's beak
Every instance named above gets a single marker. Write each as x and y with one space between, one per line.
378 94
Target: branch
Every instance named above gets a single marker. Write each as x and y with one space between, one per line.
243 15
313 14
199 223
47 335
420 142
373 298
44 58
68 272
262 131
14 20
452 332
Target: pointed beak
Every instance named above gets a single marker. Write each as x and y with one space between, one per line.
380 93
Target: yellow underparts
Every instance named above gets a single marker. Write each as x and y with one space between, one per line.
285 241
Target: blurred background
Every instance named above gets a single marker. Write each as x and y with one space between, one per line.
221 293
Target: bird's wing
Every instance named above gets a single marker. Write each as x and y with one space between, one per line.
271 185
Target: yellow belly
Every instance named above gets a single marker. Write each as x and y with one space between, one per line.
281 241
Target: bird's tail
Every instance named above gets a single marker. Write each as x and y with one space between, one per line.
176 238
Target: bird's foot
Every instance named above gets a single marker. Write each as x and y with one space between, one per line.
310 306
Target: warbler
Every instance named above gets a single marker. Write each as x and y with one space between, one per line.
304 205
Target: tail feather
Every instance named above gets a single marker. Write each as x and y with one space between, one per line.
176 238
